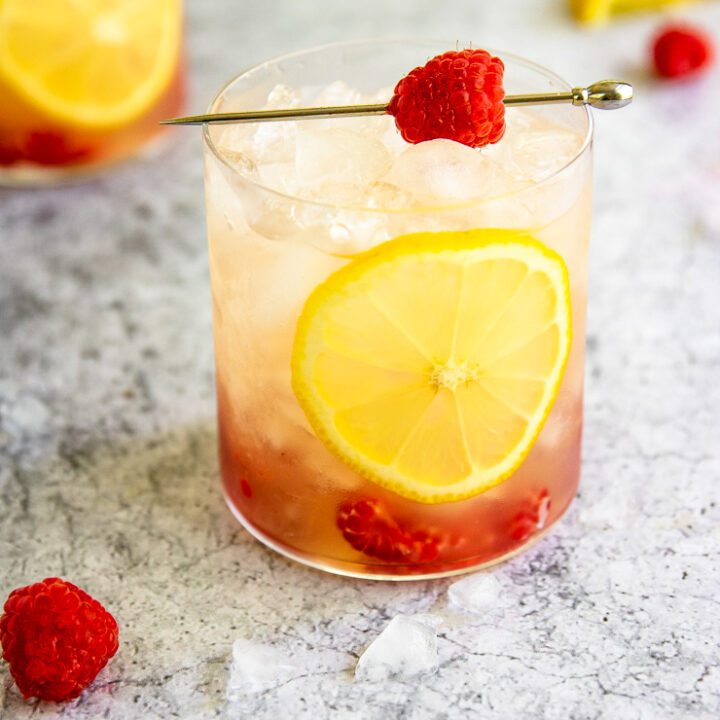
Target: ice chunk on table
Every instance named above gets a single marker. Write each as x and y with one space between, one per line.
444 173
257 667
478 593
340 156
406 648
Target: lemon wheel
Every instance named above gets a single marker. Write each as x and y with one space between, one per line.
430 363
90 63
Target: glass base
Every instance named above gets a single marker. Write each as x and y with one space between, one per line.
31 175
398 572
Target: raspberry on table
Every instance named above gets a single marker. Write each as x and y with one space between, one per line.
680 50
368 528
56 639
457 95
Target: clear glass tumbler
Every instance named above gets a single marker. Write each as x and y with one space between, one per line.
294 486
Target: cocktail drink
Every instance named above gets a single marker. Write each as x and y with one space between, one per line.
399 328
83 84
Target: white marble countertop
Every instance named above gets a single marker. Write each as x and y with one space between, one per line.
108 473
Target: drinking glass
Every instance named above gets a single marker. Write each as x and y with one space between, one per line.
271 248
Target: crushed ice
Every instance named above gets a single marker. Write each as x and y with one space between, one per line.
363 162
479 593
406 648
442 172
257 668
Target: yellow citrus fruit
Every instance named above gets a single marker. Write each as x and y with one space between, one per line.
593 11
430 363
590 10
90 63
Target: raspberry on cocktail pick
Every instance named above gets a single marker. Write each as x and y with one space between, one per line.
457 95
56 639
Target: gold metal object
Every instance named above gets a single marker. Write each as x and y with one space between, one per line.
604 95
289 114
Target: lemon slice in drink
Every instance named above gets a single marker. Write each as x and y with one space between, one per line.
89 63
430 363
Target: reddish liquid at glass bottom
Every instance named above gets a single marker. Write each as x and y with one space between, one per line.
293 507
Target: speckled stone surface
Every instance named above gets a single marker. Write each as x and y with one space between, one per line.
108 473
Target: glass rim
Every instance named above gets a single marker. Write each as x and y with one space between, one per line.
287 197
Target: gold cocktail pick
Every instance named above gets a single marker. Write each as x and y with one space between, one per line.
604 95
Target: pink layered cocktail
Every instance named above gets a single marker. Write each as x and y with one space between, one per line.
310 221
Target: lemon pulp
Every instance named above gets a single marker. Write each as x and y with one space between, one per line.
430 363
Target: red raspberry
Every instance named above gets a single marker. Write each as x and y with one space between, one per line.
369 528
53 148
680 50
246 488
532 517
56 639
456 95
9 153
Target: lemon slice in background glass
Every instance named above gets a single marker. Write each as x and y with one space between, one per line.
430 363
90 63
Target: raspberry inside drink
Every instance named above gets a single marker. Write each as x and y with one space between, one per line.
441 432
